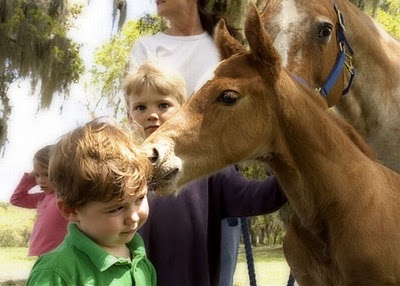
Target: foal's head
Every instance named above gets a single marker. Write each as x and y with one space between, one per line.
230 119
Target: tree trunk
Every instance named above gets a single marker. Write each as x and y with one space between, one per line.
233 11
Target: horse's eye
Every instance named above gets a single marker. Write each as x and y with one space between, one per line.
228 97
325 31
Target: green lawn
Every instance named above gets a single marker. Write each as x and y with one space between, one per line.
271 268
14 265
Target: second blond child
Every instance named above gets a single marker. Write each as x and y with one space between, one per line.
183 232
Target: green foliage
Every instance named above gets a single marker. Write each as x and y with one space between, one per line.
253 170
267 229
388 17
112 59
34 45
15 225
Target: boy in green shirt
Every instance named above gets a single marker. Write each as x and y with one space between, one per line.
100 177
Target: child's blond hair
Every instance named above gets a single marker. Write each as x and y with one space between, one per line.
160 78
97 162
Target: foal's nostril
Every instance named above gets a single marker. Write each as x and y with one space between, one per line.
154 157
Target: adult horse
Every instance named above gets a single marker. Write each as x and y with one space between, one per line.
319 40
346 220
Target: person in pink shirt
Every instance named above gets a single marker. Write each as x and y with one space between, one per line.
50 226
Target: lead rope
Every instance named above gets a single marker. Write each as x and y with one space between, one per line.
249 253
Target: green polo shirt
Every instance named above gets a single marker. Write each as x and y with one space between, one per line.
80 261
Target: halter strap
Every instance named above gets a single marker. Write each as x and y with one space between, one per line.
345 52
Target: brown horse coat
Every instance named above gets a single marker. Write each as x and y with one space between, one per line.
305 33
345 228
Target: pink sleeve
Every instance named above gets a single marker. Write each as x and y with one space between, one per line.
21 197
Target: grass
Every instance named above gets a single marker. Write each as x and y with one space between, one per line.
270 267
14 265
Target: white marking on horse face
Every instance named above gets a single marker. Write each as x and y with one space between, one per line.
286 19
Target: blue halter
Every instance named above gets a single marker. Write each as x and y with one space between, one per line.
346 52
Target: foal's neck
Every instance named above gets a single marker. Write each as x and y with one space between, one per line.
318 159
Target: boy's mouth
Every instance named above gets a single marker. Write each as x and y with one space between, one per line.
152 127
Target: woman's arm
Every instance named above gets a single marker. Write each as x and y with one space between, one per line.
243 197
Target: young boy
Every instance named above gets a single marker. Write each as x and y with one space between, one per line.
153 94
100 177
183 233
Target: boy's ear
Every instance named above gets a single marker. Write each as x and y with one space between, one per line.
67 212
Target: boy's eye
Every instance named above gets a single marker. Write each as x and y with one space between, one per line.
140 199
117 209
140 107
164 105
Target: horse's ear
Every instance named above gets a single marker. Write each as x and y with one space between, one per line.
261 46
226 44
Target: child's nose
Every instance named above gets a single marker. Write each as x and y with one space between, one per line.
152 116
40 180
133 217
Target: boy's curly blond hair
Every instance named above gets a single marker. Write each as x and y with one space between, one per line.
97 162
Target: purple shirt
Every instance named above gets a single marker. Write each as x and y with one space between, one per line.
182 235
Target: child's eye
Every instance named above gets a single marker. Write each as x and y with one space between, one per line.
116 210
140 199
164 105
140 107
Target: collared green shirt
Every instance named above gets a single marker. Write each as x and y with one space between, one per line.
80 261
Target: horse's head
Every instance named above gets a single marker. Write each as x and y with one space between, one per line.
307 35
223 122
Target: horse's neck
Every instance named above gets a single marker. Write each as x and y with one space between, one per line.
316 160
376 59
373 106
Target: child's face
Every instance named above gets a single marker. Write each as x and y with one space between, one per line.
151 109
42 177
113 224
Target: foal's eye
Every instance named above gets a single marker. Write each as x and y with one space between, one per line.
325 31
228 97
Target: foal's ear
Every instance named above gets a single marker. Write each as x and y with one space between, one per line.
226 44
261 46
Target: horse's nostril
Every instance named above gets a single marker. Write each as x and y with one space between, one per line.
154 157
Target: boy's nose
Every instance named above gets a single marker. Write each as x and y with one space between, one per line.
153 116
133 217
